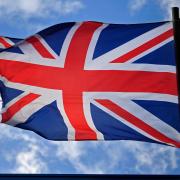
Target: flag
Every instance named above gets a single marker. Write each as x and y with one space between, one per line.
6 42
93 81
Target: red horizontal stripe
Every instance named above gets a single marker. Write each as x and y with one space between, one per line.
40 48
92 80
137 122
12 110
129 81
144 47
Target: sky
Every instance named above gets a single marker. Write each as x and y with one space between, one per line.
23 151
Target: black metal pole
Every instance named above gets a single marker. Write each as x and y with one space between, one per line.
176 28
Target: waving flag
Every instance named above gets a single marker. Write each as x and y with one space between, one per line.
93 81
6 42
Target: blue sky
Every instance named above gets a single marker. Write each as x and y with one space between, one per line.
25 152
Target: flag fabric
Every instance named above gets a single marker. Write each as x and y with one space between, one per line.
93 81
6 42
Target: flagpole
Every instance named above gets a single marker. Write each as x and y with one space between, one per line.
176 29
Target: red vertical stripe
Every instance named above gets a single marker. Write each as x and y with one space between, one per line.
73 107
74 65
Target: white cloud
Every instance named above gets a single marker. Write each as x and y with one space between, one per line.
38 8
15 134
152 158
71 7
25 155
74 152
29 161
118 157
136 5
28 153
34 15
166 6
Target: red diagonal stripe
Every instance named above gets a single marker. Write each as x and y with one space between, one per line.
39 47
12 110
137 122
144 47
5 43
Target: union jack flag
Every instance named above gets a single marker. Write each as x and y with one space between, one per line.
93 81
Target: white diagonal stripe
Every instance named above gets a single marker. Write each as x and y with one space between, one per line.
28 88
132 44
89 120
45 44
92 45
149 119
8 40
60 105
23 114
123 120
67 41
14 101
33 57
28 49
150 50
